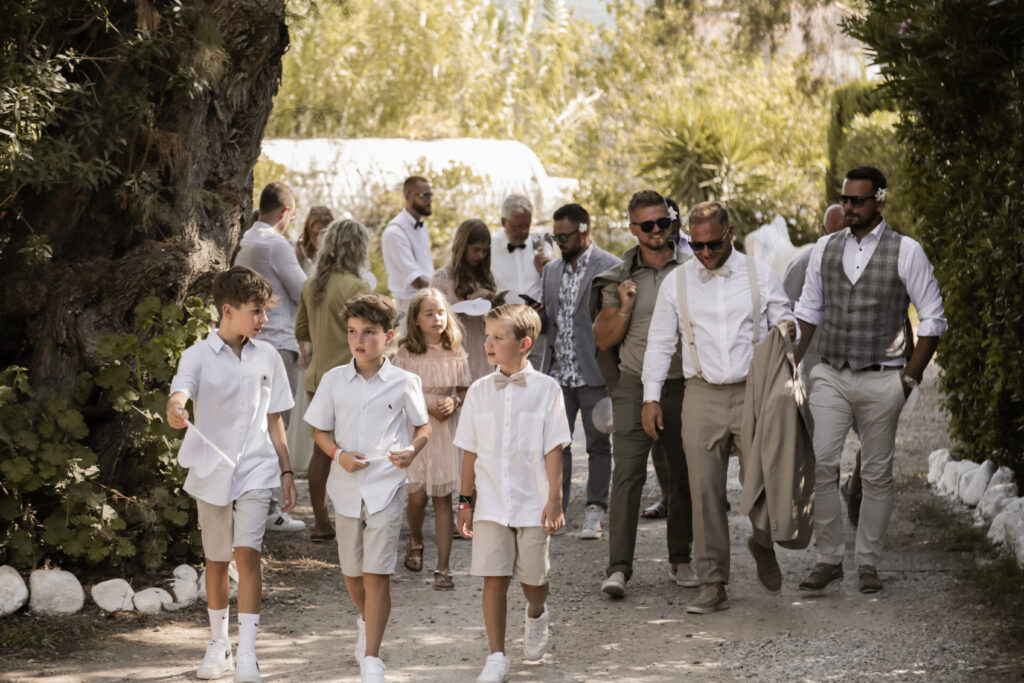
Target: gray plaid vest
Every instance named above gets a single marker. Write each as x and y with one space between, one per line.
863 323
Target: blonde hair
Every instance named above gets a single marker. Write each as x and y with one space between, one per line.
524 320
706 211
451 336
344 248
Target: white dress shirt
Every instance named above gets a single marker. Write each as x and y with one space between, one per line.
511 430
231 398
721 312
406 250
273 257
514 270
372 417
912 267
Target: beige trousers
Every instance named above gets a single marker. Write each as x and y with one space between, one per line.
839 399
712 415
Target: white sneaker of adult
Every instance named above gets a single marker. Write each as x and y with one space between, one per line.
615 585
495 669
592 523
372 670
282 521
247 669
535 634
684 576
360 650
216 662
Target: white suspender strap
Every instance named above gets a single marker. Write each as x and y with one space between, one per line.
684 314
755 297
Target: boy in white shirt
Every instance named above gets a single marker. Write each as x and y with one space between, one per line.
237 453
513 428
360 415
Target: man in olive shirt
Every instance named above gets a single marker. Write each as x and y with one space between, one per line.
627 295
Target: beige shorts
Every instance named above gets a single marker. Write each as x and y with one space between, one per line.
520 552
238 524
369 543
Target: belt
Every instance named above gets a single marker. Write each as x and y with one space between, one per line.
877 367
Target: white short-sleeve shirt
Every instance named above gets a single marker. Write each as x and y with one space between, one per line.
372 417
406 251
231 397
511 430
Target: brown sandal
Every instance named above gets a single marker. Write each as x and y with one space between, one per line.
443 581
414 557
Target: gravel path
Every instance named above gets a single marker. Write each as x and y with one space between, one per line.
918 629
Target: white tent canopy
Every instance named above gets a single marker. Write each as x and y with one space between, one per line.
346 173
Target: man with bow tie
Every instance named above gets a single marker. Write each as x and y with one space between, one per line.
405 245
720 305
518 258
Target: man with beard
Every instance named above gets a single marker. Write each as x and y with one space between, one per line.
626 295
720 304
405 244
859 283
570 357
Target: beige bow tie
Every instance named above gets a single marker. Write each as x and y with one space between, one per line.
501 381
705 275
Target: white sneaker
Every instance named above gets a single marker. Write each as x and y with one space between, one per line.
372 670
247 670
615 585
535 635
282 521
495 669
360 650
684 576
592 523
217 662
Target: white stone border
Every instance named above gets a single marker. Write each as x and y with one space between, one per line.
992 492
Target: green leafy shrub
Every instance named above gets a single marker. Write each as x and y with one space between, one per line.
955 70
55 502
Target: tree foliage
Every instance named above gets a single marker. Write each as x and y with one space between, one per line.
954 68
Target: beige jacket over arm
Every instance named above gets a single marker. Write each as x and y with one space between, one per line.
775 438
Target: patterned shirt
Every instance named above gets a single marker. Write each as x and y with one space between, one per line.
565 367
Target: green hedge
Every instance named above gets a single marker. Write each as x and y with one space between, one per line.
956 71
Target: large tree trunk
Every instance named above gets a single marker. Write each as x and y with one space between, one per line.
113 247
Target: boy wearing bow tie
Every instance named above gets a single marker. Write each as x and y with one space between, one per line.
513 429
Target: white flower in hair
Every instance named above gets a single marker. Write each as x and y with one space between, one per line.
672 213
584 227
880 194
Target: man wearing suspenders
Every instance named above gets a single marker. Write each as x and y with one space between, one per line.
721 304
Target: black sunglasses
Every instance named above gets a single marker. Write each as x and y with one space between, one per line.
853 199
563 238
713 245
663 223
425 195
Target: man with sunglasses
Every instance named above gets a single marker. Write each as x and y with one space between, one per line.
571 354
623 300
720 304
405 245
859 284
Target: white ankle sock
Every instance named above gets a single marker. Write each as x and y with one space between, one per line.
219 624
247 624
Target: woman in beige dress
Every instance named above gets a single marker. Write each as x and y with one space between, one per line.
468 276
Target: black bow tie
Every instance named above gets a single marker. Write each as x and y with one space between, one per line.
513 247
417 225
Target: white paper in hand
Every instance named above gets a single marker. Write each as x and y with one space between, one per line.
474 307
199 453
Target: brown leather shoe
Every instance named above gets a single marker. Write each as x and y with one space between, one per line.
712 597
822 576
768 573
867 579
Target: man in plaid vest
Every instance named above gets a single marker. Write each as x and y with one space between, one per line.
859 283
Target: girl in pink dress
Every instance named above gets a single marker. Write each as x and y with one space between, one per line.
432 349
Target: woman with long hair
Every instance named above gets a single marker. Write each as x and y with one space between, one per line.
343 255
468 276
